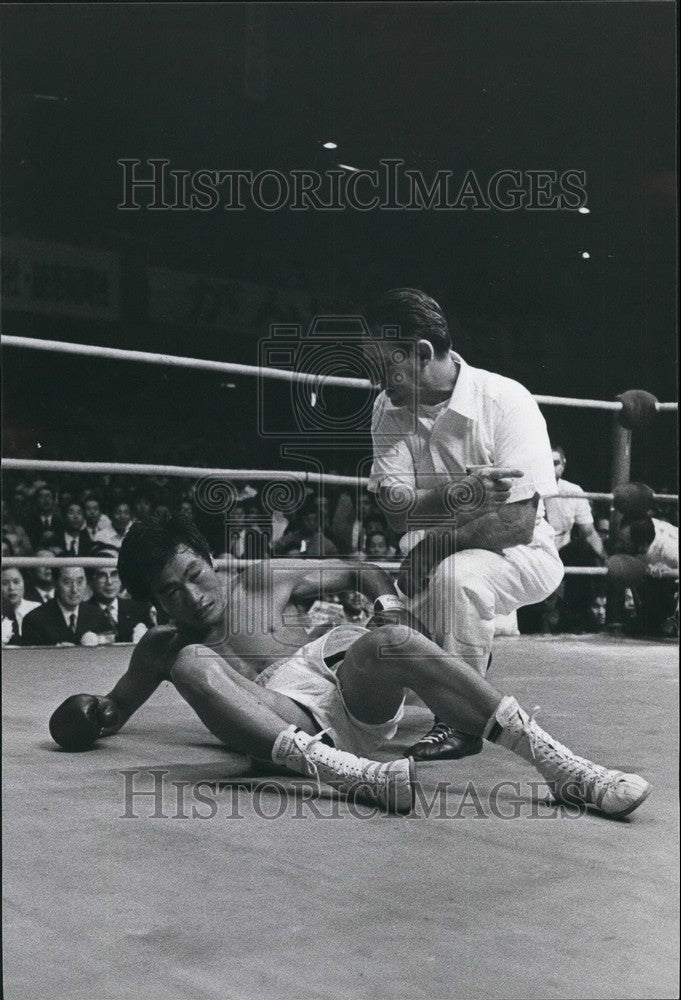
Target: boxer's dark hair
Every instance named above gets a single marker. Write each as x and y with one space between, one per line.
561 451
415 316
148 546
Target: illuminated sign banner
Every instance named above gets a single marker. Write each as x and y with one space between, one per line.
57 279
221 304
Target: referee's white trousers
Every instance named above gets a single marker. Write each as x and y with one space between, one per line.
468 590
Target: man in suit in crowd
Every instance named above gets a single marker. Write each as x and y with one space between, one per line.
128 620
65 620
15 533
14 606
75 539
45 518
41 582
305 535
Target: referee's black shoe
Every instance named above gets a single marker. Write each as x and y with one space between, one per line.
444 743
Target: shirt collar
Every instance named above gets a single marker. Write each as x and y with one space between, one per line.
66 612
461 400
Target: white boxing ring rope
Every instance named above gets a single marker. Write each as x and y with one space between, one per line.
389 565
175 361
254 475
229 368
178 471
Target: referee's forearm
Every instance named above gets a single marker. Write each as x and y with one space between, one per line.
404 506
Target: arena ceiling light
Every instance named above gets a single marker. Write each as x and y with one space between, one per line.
585 255
330 145
584 210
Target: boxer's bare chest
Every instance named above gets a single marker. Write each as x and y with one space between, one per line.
261 626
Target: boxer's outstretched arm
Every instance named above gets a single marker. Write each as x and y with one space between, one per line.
150 664
310 578
82 719
335 576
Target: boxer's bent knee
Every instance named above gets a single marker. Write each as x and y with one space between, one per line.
389 638
388 647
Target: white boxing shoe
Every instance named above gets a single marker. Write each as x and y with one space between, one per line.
388 785
572 779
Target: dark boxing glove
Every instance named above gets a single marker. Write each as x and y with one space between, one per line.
81 720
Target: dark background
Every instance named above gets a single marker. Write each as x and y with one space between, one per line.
451 86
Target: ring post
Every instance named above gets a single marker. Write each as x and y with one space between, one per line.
620 470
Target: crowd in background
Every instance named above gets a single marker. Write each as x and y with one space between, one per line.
90 516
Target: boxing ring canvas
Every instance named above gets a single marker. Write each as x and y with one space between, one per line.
145 310
285 893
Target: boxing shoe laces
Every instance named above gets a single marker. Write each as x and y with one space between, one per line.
444 743
437 734
388 785
572 779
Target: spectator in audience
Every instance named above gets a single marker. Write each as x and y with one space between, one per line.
565 513
631 622
657 543
121 519
65 498
75 539
245 539
49 540
142 506
377 546
162 510
350 522
602 525
21 504
305 536
41 581
7 549
45 518
578 544
324 511
66 620
15 533
97 524
186 510
597 612
15 607
127 620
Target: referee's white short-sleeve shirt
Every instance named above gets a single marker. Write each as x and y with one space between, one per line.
489 420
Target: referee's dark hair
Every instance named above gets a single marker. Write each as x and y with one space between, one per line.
410 315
